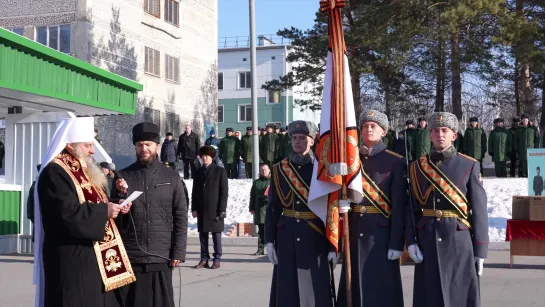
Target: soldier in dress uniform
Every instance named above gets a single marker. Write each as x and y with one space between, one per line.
294 236
449 207
377 224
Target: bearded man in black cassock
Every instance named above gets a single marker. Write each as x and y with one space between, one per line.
79 257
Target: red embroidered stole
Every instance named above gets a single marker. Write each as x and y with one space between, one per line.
112 258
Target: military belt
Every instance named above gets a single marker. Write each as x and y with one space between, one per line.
442 214
303 215
365 209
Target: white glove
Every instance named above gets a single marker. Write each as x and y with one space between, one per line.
332 257
344 205
393 254
480 265
415 253
271 253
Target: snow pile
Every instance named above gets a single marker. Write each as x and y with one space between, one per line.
238 205
500 192
2 179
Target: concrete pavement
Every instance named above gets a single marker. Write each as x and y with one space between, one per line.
244 281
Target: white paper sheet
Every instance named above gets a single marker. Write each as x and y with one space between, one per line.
132 197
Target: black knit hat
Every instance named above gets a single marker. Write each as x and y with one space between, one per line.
474 119
516 120
282 129
409 122
228 130
145 132
207 150
421 119
169 134
525 115
499 120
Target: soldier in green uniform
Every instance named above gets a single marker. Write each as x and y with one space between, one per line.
284 147
459 142
475 141
246 150
267 147
389 139
525 137
230 151
258 204
513 155
499 147
421 140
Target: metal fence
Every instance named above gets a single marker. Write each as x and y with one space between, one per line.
244 41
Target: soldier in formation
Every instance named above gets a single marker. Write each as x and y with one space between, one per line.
451 239
246 150
284 146
294 236
377 224
515 122
525 137
230 152
475 141
420 142
499 147
268 147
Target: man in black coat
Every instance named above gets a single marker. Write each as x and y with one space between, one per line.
449 207
168 150
209 204
155 230
188 145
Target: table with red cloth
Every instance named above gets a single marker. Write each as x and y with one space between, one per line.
527 238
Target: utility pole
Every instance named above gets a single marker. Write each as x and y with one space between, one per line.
255 136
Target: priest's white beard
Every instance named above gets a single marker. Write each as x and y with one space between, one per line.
97 175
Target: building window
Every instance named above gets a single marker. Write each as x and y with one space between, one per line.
220 81
152 7
172 123
152 116
245 113
152 62
220 114
245 79
171 12
172 68
20 31
56 37
274 97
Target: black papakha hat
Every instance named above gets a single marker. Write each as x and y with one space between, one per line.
207 150
145 132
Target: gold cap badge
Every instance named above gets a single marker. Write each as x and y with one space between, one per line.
297 125
371 114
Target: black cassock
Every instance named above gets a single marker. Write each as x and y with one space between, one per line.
72 276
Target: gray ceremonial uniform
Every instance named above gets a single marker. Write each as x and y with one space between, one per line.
376 281
447 277
301 277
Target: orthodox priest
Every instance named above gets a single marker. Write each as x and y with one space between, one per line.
377 224
451 217
79 256
294 235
